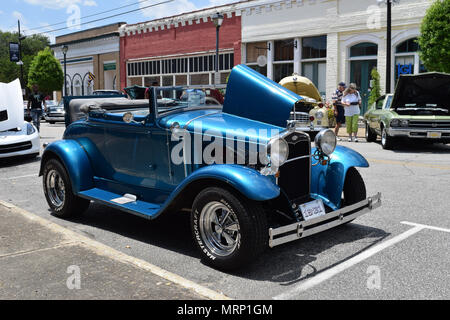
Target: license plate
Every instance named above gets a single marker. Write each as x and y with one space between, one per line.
433 135
312 209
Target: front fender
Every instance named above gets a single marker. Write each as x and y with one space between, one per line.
74 159
327 181
247 181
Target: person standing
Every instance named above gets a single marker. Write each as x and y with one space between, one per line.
35 101
338 107
351 100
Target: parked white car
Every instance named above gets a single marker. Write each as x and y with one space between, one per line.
17 136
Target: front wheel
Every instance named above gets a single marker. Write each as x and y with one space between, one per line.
354 188
230 231
387 142
58 191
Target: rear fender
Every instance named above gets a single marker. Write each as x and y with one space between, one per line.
73 157
327 181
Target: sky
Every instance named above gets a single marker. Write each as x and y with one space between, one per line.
46 16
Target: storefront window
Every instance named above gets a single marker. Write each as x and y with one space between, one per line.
284 50
254 50
149 81
262 70
316 72
314 47
199 79
282 70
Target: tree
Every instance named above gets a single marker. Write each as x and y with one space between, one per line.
46 72
434 41
375 91
10 71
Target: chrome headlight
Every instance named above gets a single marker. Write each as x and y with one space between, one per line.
319 115
395 123
404 123
325 141
277 151
30 129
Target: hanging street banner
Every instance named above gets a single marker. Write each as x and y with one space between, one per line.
14 54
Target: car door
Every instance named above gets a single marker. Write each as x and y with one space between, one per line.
138 154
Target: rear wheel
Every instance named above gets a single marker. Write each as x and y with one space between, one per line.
58 191
230 231
370 135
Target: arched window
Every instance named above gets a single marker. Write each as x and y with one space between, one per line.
68 91
363 58
363 49
88 86
407 59
77 84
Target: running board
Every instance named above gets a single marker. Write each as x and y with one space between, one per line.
125 202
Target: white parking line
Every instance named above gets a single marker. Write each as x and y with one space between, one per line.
426 226
327 274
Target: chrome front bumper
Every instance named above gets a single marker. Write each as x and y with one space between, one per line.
330 220
417 132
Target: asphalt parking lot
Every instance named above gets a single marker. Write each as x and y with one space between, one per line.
399 251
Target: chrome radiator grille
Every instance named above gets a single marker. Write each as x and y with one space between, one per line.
295 174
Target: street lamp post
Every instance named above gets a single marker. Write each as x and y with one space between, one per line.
388 45
217 18
388 41
20 62
64 50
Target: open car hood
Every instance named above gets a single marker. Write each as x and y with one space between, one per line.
301 86
11 105
254 96
432 88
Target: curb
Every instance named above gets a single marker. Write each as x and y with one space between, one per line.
114 254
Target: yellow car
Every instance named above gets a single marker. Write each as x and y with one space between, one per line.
315 114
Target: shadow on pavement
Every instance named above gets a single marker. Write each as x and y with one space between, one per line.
285 264
292 262
19 160
170 231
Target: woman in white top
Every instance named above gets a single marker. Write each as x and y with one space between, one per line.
351 101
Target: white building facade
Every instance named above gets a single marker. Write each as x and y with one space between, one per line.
330 41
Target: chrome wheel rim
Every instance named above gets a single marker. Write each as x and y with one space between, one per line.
56 190
383 137
219 228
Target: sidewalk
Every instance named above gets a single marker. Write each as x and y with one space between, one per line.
42 260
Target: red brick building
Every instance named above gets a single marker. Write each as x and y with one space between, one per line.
180 50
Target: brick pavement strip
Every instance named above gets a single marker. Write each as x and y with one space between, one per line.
43 260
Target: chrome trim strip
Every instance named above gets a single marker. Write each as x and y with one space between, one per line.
363 206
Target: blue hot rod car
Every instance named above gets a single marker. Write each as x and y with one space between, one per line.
248 176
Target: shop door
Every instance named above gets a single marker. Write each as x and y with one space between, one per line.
360 74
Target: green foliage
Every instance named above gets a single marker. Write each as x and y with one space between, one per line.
46 72
434 40
375 92
10 71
